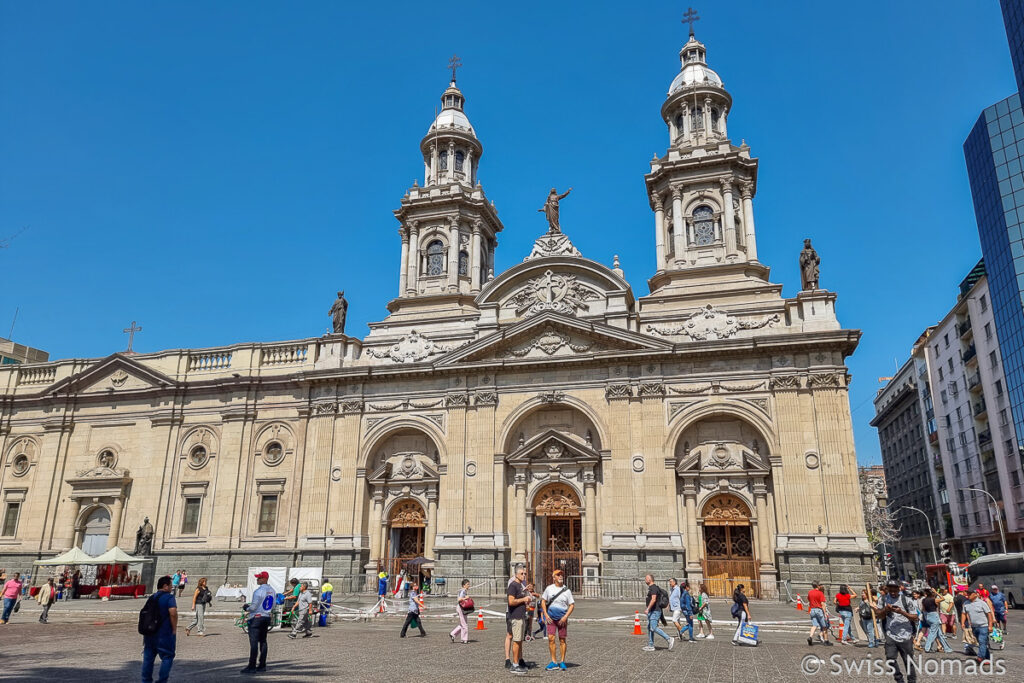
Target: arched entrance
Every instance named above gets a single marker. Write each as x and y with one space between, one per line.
557 534
728 545
96 532
407 525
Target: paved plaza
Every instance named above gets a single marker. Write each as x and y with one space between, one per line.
98 642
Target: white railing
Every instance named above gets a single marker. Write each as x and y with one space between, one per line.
43 375
217 360
283 355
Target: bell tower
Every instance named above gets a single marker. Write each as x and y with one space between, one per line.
701 189
448 226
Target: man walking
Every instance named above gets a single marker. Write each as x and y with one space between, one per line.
978 618
681 603
898 614
998 602
816 610
518 599
46 596
414 612
657 600
164 641
258 615
11 593
557 604
301 620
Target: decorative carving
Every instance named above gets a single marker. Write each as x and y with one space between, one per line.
107 459
618 391
557 501
551 397
638 463
552 292
812 460
786 382
20 465
549 341
720 457
407 513
351 406
328 408
809 267
762 404
828 379
691 388
726 510
651 389
470 468
436 418
709 323
335 474
456 400
411 348
674 408
553 450
118 378
557 244
374 421
485 398
198 456
744 387
550 209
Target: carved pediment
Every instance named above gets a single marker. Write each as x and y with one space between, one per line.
722 457
405 467
710 323
552 446
552 291
552 334
112 374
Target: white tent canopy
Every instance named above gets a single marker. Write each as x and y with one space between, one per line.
117 556
73 556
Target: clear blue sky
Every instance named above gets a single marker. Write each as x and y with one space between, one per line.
217 171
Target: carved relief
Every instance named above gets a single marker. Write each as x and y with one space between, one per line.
328 408
828 379
691 388
754 386
485 398
552 292
557 501
351 406
651 389
551 397
552 244
549 341
726 509
407 513
709 323
118 378
786 382
411 348
618 391
456 400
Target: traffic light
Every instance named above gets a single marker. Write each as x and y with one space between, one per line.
890 564
946 552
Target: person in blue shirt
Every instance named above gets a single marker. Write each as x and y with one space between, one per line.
414 612
382 585
688 605
258 615
164 641
998 601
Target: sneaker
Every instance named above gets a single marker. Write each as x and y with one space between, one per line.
248 670
648 648
735 642
810 643
691 640
551 667
671 643
711 636
517 670
562 666
508 664
452 637
292 636
522 664
700 635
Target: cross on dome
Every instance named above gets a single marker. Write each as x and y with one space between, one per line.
454 63
689 18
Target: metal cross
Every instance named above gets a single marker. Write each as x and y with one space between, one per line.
130 331
454 63
690 17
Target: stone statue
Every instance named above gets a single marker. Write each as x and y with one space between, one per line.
809 262
144 538
337 313
550 209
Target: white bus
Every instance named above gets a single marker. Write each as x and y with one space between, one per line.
1005 570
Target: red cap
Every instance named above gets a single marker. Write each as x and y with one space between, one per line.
262 575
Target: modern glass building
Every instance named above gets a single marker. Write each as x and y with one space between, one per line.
995 153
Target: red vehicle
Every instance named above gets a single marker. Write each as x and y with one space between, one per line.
939 576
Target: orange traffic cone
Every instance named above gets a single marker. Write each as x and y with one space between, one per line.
799 603
480 621
636 624
419 599
840 631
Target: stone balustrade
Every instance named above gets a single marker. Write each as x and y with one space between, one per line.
44 374
216 360
285 354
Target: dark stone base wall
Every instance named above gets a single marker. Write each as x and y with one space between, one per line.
631 564
21 563
830 569
233 566
472 564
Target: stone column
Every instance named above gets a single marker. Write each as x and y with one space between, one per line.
431 530
468 168
115 522
721 122
476 257
403 272
451 161
414 258
748 220
592 545
692 536
659 231
707 117
677 222
453 255
519 544
729 217
764 544
76 509
433 163
374 530
686 119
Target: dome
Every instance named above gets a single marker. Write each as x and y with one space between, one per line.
694 73
451 118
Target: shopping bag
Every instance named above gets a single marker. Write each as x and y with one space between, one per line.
748 634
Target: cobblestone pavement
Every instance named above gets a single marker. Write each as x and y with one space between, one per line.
80 647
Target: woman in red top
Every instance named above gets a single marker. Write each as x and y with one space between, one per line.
845 611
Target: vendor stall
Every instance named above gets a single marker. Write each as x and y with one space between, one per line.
114 573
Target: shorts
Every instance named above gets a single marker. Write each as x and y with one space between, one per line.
999 617
518 630
676 616
555 628
508 623
818 619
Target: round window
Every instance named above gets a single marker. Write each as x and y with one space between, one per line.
198 456
273 453
20 464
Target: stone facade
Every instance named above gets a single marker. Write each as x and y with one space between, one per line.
544 414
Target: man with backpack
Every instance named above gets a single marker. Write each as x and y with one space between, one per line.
898 614
158 623
657 601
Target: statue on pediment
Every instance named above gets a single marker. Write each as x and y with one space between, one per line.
338 312
550 209
809 267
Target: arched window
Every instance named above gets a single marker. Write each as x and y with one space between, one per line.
459 159
714 119
435 258
704 225
696 119
679 124
443 157
463 263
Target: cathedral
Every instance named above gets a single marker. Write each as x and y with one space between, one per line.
546 414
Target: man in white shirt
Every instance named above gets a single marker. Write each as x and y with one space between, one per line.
557 604
259 609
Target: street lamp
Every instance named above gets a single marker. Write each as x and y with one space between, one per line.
927 519
999 517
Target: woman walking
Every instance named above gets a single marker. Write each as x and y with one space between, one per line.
413 617
845 611
464 603
182 583
867 624
200 599
704 613
741 611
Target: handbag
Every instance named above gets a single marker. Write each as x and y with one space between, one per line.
748 634
17 606
466 604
